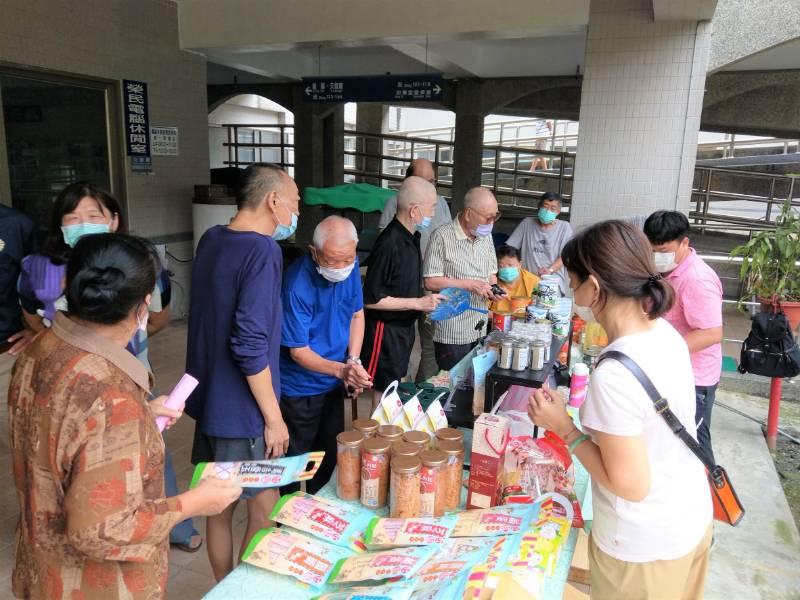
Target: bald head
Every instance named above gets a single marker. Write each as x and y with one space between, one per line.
480 199
415 191
422 167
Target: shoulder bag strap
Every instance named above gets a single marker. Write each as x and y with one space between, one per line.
660 404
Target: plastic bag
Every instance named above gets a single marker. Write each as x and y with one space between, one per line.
304 558
275 472
500 520
335 522
440 570
401 590
420 531
376 566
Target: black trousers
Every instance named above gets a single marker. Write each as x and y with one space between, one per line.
448 355
313 423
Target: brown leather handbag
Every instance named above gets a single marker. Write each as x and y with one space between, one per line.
727 507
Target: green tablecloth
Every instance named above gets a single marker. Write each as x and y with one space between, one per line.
247 582
359 196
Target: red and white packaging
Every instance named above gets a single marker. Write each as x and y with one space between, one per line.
489 441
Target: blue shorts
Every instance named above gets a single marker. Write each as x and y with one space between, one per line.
207 448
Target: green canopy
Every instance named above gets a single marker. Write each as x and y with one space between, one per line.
364 197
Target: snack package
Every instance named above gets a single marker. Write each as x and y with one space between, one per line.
271 473
440 570
288 553
335 522
500 520
414 415
487 461
454 548
390 409
420 531
436 417
478 578
376 566
401 590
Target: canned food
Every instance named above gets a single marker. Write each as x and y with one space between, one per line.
537 355
501 321
522 357
534 313
519 303
548 292
506 354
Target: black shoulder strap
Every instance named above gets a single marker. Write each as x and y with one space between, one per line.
660 404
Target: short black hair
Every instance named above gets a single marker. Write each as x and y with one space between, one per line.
66 202
256 181
506 251
550 196
109 275
666 226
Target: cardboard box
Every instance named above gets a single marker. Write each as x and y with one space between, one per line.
489 441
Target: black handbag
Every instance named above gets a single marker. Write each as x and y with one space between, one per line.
727 507
770 348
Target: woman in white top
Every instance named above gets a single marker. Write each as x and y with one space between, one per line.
652 506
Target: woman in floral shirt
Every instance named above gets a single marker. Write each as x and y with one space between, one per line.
88 458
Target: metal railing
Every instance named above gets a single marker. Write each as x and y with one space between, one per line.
723 200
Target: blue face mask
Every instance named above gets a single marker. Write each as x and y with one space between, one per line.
508 274
546 216
426 222
72 233
285 231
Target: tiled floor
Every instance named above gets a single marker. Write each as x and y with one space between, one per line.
190 574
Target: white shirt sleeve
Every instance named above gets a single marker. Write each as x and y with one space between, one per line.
433 265
517 236
615 402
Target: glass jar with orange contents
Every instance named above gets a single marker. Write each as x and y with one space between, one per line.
369 427
404 494
402 448
450 434
393 433
348 465
375 472
432 483
420 438
453 472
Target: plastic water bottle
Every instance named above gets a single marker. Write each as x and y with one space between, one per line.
579 383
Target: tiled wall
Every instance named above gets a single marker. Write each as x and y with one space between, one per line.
120 39
640 112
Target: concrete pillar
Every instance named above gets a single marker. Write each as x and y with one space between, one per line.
308 160
333 147
640 112
468 142
370 118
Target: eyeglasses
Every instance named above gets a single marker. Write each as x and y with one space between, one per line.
488 218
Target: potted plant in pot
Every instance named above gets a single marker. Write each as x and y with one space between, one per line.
769 267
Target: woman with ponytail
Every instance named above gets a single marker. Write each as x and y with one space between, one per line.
652 508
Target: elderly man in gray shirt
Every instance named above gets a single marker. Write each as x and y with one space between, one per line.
422 167
540 240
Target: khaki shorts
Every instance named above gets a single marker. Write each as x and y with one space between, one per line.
681 578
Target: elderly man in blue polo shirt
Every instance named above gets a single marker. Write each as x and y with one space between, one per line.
323 329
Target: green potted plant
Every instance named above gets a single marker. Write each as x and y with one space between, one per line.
769 266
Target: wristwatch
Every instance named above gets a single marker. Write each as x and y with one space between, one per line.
354 360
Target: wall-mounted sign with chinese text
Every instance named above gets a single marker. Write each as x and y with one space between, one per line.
379 88
164 141
137 125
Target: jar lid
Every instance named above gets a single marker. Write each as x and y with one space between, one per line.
449 433
406 464
366 425
390 432
351 439
402 448
420 438
376 445
451 447
433 458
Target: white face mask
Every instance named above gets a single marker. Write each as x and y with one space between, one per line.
336 275
665 261
584 313
142 321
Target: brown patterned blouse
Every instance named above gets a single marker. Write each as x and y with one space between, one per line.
89 471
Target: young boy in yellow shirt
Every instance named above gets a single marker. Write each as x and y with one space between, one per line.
515 280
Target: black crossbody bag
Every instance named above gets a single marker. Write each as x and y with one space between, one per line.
727 507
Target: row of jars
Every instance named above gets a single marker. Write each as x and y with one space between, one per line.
416 475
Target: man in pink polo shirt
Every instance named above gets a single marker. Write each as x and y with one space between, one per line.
697 310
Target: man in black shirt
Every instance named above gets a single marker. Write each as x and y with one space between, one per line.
393 296
17 240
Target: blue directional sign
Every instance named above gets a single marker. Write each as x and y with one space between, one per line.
379 88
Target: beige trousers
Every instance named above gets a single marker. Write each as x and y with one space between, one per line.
679 579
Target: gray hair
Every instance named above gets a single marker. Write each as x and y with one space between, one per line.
476 197
414 190
334 225
256 181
